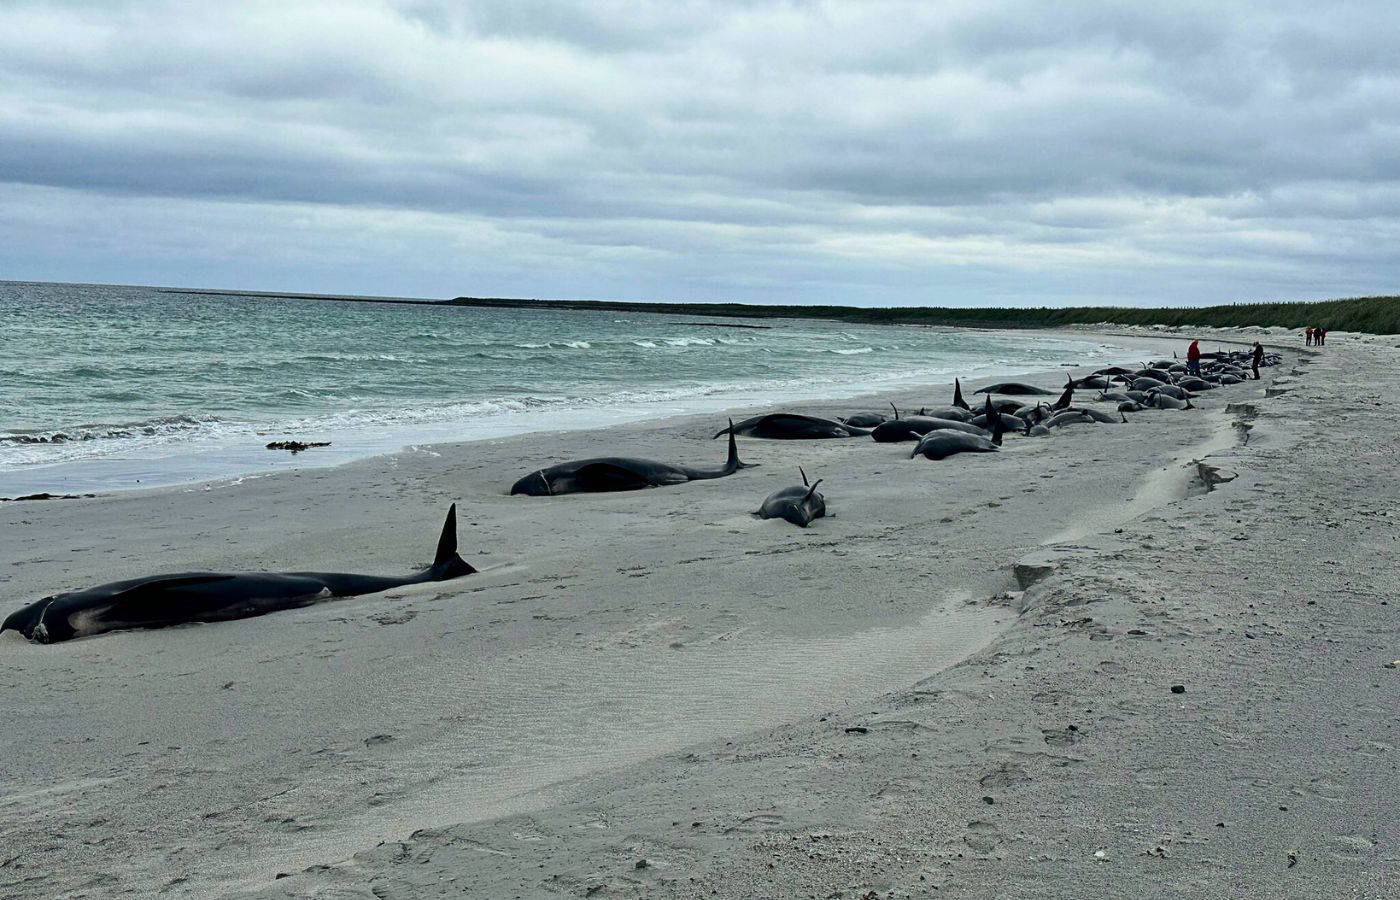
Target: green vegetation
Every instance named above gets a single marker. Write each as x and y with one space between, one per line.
1376 315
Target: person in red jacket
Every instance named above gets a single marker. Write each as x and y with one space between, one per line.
1193 359
1309 334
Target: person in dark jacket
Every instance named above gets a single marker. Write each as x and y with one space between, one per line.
1258 358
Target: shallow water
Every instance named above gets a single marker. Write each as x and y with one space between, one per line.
116 387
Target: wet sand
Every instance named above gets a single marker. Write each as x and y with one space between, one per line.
660 676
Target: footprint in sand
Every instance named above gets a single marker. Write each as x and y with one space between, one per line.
1351 847
982 837
395 618
1005 775
1061 737
756 823
1319 787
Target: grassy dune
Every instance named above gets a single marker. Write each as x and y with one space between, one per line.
1376 315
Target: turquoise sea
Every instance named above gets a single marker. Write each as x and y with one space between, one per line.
105 387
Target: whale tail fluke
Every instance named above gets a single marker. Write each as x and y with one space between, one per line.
447 564
813 489
804 476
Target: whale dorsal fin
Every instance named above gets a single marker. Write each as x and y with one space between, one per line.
813 489
733 463
804 475
446 563
994 421
447 541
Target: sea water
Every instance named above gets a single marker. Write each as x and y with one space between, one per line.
105 387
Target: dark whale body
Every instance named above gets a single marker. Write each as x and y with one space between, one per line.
162 600
912 428
792 427
1015 389
942 444
799 504
865 420
618 473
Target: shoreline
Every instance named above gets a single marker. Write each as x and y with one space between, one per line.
587 597
76 478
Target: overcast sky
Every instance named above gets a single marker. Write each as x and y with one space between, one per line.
866 152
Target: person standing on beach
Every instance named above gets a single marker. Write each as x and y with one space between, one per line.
1309 333
1193 359
1258 358
1320 336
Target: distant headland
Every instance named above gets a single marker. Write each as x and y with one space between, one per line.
1374 315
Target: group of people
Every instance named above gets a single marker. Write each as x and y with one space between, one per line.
1193 357
1316 336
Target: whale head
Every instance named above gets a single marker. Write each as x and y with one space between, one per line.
536 484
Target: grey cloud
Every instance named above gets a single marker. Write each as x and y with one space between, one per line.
774 141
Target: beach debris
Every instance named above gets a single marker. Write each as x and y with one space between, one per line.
1178 689
297 446
857 729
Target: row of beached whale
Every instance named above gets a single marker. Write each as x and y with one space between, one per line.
163 600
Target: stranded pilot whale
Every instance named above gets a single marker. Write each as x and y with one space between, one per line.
798 504
162 600
792 427
619 473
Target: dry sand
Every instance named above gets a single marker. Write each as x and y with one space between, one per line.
956 685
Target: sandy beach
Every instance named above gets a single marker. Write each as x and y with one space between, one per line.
959 684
